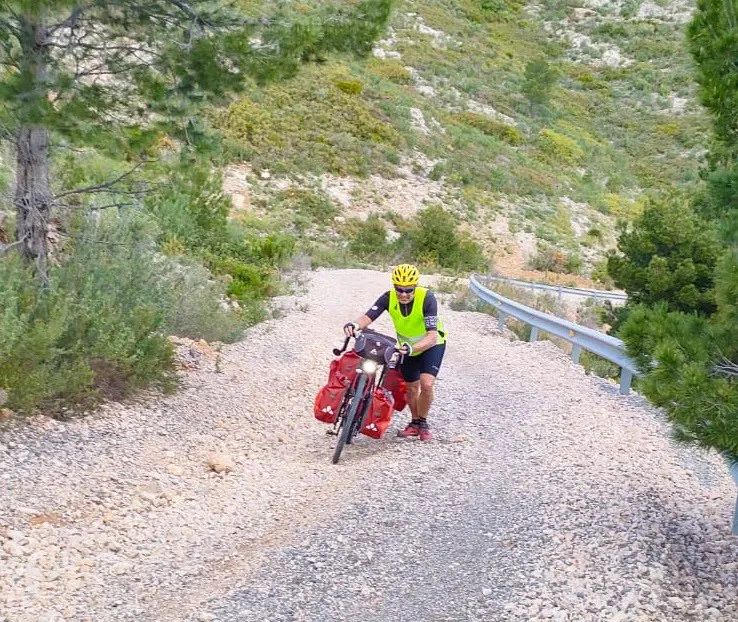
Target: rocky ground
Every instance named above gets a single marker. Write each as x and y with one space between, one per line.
545 495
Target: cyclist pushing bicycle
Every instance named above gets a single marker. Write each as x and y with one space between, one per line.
414 313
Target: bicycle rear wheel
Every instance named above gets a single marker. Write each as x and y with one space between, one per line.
347 425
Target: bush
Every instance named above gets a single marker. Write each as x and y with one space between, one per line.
559 148
368 238
491 127
540 78
391 70
551 259
351 87
193 216
434 240
101 327
309 124
317 208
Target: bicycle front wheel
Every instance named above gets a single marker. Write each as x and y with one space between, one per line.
348 419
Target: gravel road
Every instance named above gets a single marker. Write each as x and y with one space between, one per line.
545 495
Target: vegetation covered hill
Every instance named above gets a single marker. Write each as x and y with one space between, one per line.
538 126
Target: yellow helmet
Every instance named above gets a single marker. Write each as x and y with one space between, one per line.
405 275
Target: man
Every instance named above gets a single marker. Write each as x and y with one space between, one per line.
414 312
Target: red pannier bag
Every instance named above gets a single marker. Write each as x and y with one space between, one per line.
396 385
328 401
380 414
343 369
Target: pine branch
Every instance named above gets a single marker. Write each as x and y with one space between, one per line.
6 248
726 367
105 186
72 21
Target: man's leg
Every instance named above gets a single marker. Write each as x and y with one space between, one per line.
413 393
425 397
430 365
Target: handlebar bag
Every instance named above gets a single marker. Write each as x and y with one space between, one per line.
375 346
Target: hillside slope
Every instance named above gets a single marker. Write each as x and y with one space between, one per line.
538 126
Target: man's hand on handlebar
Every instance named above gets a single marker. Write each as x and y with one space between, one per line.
405 349
350 329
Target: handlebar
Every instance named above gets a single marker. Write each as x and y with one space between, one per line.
337 352
357 332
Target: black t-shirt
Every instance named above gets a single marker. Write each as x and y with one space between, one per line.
430 309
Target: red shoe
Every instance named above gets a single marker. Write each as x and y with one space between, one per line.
412 429
425 433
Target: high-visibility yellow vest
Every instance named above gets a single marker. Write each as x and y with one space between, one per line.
411 329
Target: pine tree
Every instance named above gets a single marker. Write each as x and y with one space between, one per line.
668 256
690 364
690 361
713 41
118 74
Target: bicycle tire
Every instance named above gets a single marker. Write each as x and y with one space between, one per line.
348 419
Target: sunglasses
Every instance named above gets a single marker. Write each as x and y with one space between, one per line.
404 290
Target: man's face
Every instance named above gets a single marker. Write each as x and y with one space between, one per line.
405 294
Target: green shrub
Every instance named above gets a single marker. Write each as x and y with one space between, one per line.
191 208
390 70
350 87
368 238
551 259
559 149
434 240
597 366
100 328
491 127
192 213
309 124
540 78
316 207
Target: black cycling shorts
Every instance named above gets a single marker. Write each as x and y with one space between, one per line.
429 362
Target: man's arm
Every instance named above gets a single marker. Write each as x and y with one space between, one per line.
379 307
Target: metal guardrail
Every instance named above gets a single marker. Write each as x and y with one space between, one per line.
581 337
559 290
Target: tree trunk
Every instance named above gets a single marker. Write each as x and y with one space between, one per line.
33 196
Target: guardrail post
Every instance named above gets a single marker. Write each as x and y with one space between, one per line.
501 321
533 334
560 291
626 378
576 352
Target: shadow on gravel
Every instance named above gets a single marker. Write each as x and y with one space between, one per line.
694 550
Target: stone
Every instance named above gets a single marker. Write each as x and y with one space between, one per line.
122 568
175 469
220 463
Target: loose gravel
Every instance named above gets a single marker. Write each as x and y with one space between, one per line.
545 495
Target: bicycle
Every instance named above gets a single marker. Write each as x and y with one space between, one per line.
376 350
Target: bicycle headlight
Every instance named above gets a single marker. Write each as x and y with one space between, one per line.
368 366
